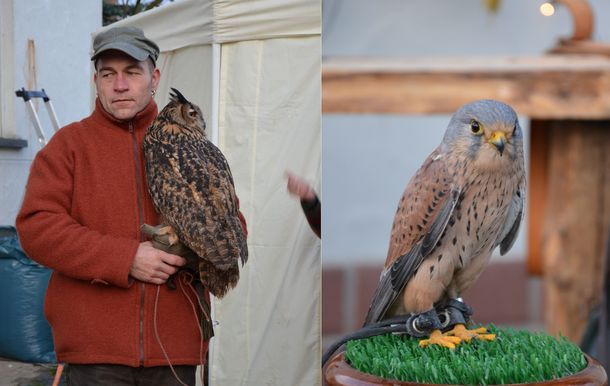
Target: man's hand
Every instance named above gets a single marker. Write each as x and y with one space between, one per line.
154 266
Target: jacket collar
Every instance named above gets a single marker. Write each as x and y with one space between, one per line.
141 120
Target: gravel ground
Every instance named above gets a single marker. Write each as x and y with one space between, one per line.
26 374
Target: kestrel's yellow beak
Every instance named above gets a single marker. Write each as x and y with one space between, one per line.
498 139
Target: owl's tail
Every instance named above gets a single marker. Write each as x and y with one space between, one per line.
218 281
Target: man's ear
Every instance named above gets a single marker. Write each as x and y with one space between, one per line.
156 75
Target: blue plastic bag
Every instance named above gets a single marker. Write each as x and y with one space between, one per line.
25 334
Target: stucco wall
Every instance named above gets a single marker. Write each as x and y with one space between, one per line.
61 31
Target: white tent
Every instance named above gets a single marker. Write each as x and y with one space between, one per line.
254 69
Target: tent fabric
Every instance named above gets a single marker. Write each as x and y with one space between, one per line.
268 122
188 69
191 22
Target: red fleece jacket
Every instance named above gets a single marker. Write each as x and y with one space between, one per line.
81 217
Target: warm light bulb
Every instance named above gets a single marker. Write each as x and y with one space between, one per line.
547 9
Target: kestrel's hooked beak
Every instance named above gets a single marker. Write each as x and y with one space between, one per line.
498 139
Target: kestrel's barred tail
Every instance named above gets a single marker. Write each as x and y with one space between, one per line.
192 189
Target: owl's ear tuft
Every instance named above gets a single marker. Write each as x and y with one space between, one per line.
177 96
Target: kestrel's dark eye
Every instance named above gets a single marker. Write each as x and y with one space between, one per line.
475 127
192 112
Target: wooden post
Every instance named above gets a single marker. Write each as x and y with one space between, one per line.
576 222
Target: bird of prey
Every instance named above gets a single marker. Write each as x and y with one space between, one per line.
192 189
465 200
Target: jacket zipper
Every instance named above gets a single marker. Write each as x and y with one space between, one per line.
136 156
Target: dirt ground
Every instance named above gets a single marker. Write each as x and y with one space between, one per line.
26 374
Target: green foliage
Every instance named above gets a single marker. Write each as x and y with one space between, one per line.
116 10
513 357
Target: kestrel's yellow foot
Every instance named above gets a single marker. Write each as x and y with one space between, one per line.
437 337
460 331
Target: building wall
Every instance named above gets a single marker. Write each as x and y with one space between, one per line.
59 63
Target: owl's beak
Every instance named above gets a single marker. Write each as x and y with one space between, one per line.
498 139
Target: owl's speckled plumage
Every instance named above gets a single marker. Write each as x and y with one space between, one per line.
464 201
192 189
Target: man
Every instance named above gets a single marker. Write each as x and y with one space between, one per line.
84 203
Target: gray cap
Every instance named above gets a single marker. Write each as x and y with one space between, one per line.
130 40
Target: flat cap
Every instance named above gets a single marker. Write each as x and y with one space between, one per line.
130 40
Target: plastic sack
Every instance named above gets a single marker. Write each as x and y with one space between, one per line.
25 335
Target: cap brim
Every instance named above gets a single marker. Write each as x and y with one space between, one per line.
135 52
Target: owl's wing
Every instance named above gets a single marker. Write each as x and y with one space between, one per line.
223 196
425 209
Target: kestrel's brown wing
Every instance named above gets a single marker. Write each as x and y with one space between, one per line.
424 211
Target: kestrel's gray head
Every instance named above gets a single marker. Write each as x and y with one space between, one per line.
486 132
180 116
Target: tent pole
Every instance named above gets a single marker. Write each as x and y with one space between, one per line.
215 92
214 137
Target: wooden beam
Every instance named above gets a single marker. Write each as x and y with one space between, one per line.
542 87
7 74
576 223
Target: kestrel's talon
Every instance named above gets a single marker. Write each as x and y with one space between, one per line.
466 335
437 337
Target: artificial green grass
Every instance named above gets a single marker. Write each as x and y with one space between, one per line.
513 357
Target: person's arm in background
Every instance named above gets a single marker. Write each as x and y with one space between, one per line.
310 202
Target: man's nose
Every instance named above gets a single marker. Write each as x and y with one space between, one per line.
120 83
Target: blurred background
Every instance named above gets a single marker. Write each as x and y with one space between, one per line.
393 72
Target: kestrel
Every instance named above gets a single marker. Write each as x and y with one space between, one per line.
192 188
464 201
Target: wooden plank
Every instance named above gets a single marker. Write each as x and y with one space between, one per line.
543 87
7 73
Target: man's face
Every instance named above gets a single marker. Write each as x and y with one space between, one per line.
124 85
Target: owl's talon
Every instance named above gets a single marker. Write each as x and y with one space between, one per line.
465 334
438 338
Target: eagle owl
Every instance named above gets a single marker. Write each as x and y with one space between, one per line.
192 189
